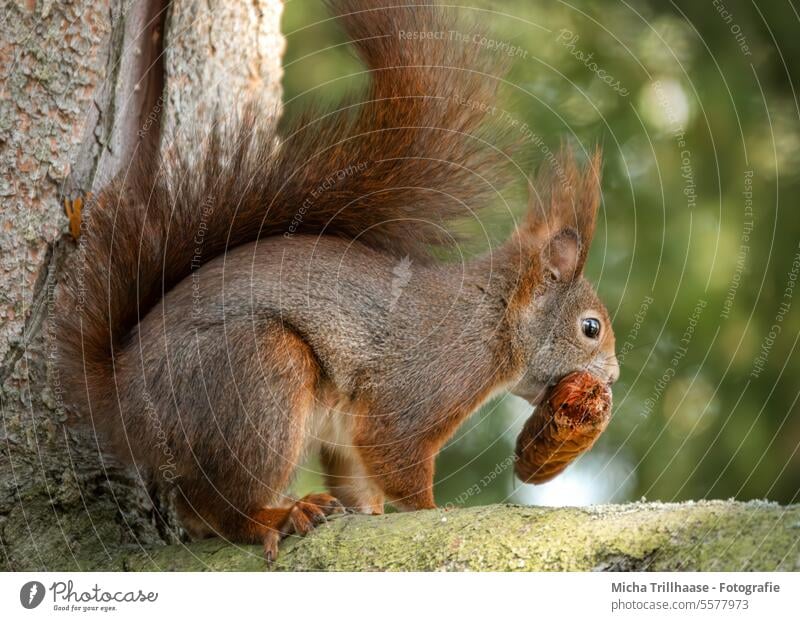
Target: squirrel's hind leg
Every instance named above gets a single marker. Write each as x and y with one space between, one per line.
264 399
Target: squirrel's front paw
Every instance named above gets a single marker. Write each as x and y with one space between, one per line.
299 519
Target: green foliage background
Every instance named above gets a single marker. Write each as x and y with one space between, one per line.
675 249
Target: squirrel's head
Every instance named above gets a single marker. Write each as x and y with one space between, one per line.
559 323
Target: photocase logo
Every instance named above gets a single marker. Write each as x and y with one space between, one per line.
31 594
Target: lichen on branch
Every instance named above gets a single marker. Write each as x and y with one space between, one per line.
693 536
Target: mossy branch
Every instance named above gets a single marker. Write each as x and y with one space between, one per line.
694 536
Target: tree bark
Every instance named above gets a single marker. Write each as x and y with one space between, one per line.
83 85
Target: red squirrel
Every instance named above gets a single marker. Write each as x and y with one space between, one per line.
267 297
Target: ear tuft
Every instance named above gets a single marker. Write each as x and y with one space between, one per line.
562 213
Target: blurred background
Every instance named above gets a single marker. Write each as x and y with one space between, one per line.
697 252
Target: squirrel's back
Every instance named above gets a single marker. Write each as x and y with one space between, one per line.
367 316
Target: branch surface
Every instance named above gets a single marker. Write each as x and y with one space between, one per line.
693 536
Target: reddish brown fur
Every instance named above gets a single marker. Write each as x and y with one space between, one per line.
403 465
238 511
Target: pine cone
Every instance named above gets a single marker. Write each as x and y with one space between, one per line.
567 423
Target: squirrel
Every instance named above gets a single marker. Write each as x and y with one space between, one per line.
266 298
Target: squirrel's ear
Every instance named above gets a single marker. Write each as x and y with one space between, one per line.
562 213
559 256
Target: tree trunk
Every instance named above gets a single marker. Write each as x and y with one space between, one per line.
83 85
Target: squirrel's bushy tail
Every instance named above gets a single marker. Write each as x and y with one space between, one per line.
391 169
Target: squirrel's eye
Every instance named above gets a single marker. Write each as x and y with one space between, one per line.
591 327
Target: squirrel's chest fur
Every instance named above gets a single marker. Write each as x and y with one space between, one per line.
333 423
